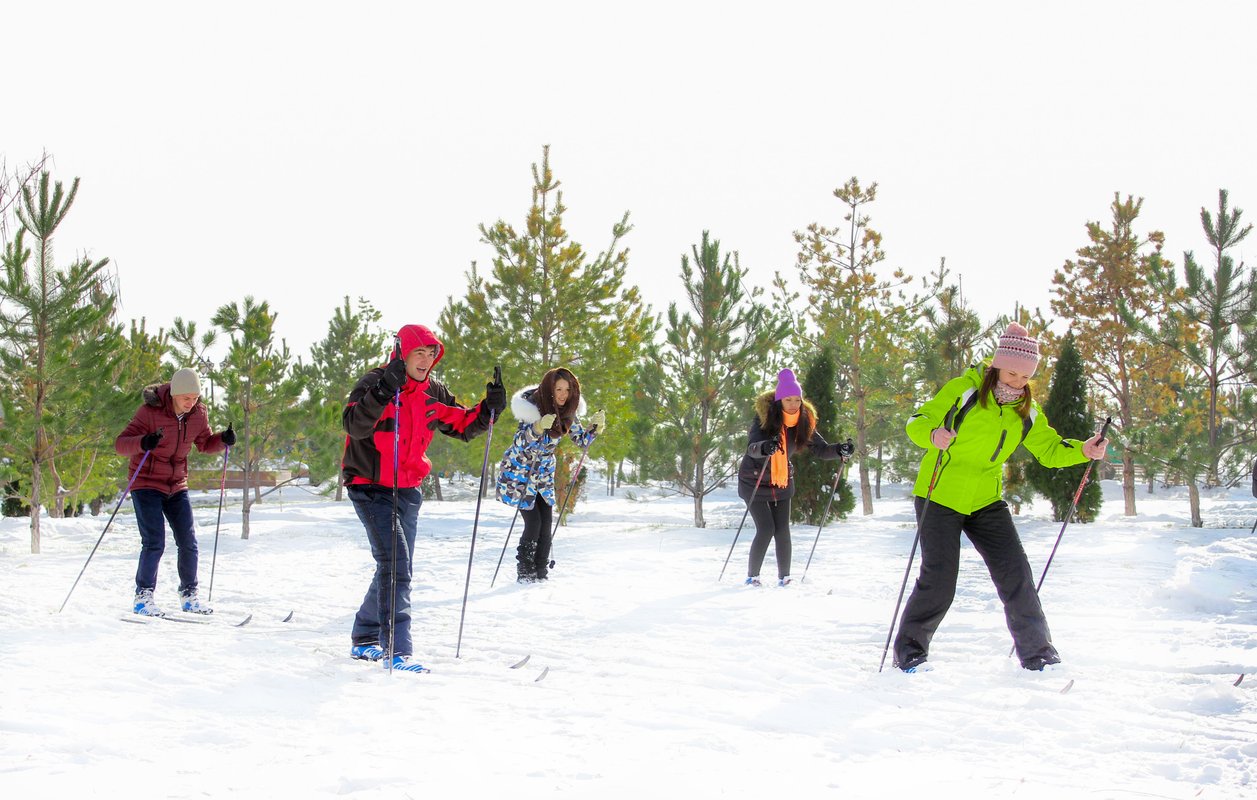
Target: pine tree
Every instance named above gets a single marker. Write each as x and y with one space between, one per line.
547 303
1066 409
261 388
353 345
1212 323
1099 295
866 317
698 398
951 337
47 363
814 478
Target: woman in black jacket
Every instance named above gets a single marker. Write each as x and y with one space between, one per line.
784 422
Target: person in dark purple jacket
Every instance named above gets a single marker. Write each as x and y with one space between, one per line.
167 424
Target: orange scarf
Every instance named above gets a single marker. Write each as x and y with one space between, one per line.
779 460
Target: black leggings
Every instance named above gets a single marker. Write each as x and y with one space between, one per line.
534 543
772 521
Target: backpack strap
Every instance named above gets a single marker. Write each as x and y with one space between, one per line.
967 401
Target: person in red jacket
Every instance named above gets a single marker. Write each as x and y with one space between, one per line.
169 421
400 402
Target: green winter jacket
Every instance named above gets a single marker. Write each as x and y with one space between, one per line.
972 474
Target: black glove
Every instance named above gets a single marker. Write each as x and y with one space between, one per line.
846 449
394 377
149 440
229 436
495 394
768 447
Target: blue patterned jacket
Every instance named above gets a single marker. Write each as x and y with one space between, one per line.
527 466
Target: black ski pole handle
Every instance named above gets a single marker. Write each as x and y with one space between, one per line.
1104 432
397 346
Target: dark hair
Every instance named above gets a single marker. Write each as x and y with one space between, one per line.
802 432
988 388
565 415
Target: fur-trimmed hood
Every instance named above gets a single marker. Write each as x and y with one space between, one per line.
765 402
525 410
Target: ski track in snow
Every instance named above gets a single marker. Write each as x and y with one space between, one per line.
660 678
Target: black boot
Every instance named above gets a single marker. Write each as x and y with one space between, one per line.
525 555
541 559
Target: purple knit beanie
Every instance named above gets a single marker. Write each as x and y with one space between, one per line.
1017 350
787 385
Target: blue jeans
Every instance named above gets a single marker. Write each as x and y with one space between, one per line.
150 508
374 505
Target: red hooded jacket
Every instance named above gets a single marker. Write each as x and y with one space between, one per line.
371 421
166 468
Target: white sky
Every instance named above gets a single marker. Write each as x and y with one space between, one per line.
300 152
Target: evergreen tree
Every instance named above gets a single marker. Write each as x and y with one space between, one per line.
353 345
261 389
814 478
47 363
949 340
1066 408
699 399
547 303
1212 323
1100 294
187 349
867 319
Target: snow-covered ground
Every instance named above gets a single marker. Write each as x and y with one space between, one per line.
662 681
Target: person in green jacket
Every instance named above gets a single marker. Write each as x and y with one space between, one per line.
994 412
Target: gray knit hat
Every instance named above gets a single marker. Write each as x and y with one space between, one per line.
185 381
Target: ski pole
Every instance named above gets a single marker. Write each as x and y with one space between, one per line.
938 463
394 527
1254 530
504 544
222 491
571 487
832 491
127 491
484 473
1104 432
744 513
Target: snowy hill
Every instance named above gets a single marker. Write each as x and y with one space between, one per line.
660 680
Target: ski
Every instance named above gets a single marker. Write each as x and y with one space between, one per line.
521 662
249 618
1068 686
143 619
544 673
1239 680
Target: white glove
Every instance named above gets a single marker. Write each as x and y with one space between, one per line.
597 420
543 424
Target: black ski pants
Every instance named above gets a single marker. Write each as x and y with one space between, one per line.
995 538
772 523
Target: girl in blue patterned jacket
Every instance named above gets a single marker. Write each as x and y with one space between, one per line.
546 414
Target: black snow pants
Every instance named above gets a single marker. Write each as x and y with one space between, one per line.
995 538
